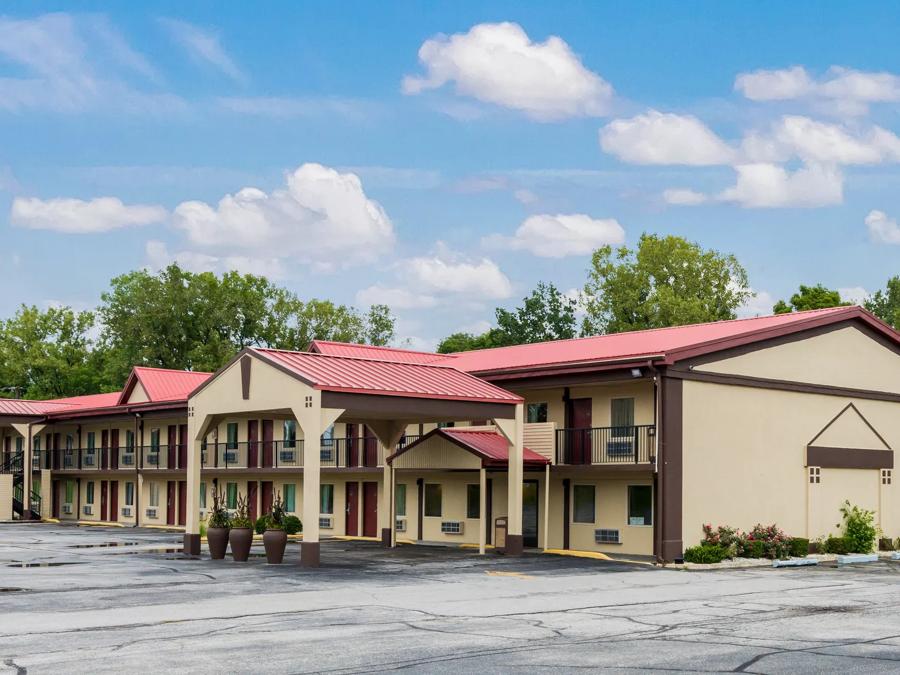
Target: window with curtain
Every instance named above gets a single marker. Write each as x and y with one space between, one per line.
70 491
231 435
231 493
400 499
129 440
290 433
19 440
90 493
91 440
129 494
202 495
154 494
473 501
326 498
433 499
536 413
154 440
622 415
290 497
584 511
640 505
70 441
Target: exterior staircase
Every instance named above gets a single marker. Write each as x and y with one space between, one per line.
14 465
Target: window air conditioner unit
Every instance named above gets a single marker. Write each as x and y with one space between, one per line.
604 536
128 459
153 458
286 456
67 508
452 527
89 460
400 525
231 457
88 509
126 511
326 522
150 513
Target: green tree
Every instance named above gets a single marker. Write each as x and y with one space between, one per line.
665 281
545 315
885 304
48 354
810 297
466 342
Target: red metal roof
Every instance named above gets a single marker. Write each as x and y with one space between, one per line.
371 352
665 344
491 446
14 406
163 384
386 378
90 400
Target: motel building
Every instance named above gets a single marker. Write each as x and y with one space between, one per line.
622 444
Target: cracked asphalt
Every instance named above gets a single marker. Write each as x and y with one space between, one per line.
98 600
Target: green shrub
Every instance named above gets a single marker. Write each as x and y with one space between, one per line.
885 544
754 548
292 525
799 547
706 554
859 528
260 526
729 538
775 543
837 545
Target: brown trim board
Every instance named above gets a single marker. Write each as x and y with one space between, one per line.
246 363
860 415
849 458
671 470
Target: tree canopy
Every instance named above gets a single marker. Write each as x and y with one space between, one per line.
810 297
885 304
665 281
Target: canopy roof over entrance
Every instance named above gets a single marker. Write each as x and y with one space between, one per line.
491 447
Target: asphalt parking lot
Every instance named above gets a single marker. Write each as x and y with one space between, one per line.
96 600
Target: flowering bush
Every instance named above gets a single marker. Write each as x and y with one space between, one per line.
761 542
776 544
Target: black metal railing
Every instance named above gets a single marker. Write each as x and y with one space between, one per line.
12 463
87 459
606 445
162 456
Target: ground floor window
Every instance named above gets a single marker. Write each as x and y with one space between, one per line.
129 494
154 494
584 511
640 505
400 499
326 498
433 500
290 497
231 495
202 495
90 493
473 501
70 491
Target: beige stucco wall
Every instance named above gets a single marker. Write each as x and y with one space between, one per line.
745 460
601 395
6 496
138 394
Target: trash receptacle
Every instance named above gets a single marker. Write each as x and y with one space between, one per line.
500 533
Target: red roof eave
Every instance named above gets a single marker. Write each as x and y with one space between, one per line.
512 400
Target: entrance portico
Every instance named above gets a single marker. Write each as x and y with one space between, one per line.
317 391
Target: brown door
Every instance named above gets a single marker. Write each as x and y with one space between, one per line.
114 451
170 502
267 491
579 442
253 443
370 509
104 450
173 447
182 502
252 492
182 446
351 527
268 433
104 500
114 500
371 448
352 445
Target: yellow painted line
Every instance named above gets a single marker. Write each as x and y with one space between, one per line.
596 555
516 575
475 546
98 523
344 537
50 520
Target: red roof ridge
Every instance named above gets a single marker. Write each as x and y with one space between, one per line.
449 366
172 370
664 328
382 347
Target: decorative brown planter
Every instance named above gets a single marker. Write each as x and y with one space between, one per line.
275 542
217 538
241 539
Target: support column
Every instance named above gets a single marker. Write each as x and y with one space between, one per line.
546 507
514 432
389 435
393 499
482 509
192 521
26 431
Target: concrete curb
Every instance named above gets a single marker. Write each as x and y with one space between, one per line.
852 559
795 562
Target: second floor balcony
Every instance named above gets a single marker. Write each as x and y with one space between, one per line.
621 445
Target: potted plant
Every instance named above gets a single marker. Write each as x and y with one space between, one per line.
275 538
241 535
218 524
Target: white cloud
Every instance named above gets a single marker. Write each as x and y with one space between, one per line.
395 298
684 197
322 217
843 90
158 257
855 294
204 46
76 216
759 304
882 229
498 63
446 272
769 186
71 65
558 236
664 138
524 196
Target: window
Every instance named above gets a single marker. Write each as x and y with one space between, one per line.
473 501
231 435
640 505
231 495
584 503
19 440
129 440
400 499
90 493
290 497
885 476
36 444
129 494
815 475
70 441
445 425
70 491
154 440
433 500
621 415
290 434
202 495
154 494
91 440
326 499
537 412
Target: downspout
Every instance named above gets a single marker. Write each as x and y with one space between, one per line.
138 453
658 421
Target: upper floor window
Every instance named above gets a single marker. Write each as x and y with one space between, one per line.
622 413
129 440
231 436
19 440
536 413
290 433
91 441
154 439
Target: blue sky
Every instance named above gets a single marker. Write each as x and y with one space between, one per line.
444 158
